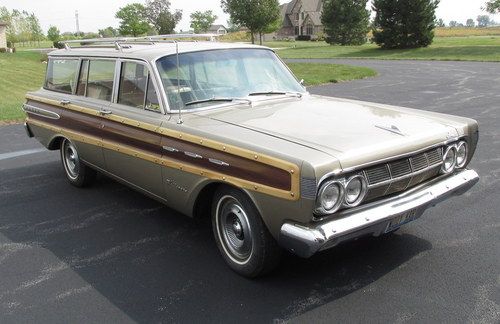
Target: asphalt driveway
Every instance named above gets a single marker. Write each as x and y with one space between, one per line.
109 254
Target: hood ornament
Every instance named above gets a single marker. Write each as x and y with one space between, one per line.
393 129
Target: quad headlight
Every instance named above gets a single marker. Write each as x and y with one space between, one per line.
449 159
455 157
330 197
462 151
355 190
347 192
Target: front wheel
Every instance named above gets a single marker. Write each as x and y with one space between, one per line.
242 238
77 173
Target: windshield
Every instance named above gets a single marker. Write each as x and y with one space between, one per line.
211 77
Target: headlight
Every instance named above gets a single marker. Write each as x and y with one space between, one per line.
329 197
461 154
449 159
355 190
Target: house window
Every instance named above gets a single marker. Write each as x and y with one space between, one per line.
296 30
309 29
297 16
302 14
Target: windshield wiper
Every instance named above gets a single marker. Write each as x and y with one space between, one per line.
217 100
274 93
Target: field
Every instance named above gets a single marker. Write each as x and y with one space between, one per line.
476 48
24 71
19 72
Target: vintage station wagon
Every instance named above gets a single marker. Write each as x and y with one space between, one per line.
226 131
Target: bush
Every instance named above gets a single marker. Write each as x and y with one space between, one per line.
346 21
58 45
3 50
303 38
404 23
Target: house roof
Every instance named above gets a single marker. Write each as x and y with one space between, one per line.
315 16
216 27
307 5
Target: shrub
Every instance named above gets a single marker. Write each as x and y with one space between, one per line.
404 23
58 44
303 38
346 21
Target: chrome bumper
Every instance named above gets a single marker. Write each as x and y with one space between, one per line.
374 219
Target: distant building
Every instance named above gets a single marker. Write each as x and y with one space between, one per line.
3 35
217 29
301 17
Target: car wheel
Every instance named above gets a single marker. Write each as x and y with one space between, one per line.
241 236
77 173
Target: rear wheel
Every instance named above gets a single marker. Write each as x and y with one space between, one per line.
242 238
76 171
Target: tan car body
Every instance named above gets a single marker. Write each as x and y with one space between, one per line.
301 140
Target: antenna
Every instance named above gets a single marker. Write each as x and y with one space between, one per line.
77 23
179 121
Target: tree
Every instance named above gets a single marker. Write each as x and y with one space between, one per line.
493 6
35 28
202 20
440 23
256 15
132 20
108 32
346 22
404 23
232 27
470 23
483 21
159 16
54 35
453 23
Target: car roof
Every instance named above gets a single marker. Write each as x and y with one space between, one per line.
149 52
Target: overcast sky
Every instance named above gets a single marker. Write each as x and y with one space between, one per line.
95 14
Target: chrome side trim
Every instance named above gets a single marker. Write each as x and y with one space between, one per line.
218 162
27 108
193 155
170 149
307 239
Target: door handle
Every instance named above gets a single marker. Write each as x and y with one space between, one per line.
105 112
65 102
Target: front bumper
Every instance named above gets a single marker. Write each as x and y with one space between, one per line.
374 219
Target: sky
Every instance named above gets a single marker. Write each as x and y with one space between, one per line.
96 14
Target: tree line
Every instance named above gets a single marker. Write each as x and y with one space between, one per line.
23 27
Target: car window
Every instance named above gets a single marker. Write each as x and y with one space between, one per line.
136 87
61 75
235 73
82 79
100 79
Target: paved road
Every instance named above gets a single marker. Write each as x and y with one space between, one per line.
110 254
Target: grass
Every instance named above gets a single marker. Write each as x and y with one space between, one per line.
24 71
318 73
19 72
476 48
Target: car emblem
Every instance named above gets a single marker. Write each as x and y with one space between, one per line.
393 129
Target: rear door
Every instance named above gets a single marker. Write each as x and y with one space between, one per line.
132 148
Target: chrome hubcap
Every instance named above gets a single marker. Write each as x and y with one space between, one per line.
234 229
71 159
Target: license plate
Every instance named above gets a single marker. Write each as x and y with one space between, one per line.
401 219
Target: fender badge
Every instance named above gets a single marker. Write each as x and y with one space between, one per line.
393 129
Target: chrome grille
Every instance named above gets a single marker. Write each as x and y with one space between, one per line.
395 176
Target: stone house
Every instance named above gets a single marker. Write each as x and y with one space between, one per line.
301 17
3 35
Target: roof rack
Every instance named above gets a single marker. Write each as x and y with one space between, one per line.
120 43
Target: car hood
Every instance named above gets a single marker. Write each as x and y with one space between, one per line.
354 132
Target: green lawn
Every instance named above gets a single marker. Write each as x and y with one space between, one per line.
24 71
318 73
474 48
19 73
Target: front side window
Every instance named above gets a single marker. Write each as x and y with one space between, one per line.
136 87
100 79
61 75
223 74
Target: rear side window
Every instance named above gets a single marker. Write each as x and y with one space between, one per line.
61 75
136 88
100 79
